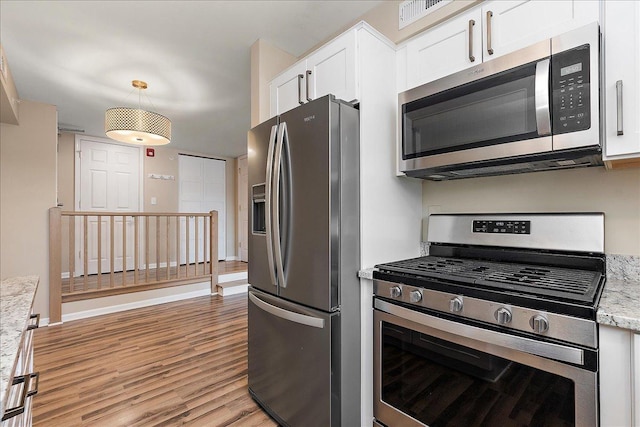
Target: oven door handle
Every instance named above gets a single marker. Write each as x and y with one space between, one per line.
468 332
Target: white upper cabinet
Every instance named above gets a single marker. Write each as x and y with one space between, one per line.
622 82
446 49
515 24
287 90
330 69
488 31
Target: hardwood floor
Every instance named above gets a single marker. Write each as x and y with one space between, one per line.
182 363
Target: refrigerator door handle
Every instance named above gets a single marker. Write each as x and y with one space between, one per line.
302 319
268 201
276 205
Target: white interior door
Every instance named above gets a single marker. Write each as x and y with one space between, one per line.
109 181
202 189
243 209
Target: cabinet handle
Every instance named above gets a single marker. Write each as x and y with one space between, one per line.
300 78
37 324
619 106
489 48
307 84
471 24
26 392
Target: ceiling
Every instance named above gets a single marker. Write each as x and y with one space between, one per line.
195 55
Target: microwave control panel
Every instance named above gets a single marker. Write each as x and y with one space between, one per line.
570 83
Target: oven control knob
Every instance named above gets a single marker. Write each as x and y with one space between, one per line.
539 324
455 305
503 315
415 296
395 291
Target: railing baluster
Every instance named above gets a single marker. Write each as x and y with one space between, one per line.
187 245
146 248
85 250
195 244
124 250
112 245
136 249
157 248
99 251
177 246
167 247
72 251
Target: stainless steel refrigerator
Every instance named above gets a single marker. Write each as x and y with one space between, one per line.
304 237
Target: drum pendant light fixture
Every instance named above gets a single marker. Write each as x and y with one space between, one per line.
137 126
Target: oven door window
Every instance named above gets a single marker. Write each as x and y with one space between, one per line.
491 111
440 383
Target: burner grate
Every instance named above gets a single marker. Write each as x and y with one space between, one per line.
565 283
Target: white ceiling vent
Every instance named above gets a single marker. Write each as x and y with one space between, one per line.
412 10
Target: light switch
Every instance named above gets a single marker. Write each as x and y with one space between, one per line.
154 201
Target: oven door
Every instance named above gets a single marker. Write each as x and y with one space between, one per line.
431 371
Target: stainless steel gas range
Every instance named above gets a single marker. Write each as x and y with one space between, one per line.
496 326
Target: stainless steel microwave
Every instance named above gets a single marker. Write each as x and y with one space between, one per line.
537 108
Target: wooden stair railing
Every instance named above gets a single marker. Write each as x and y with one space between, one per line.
136 251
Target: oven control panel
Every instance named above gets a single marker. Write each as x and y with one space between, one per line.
502 227
552 325
571 100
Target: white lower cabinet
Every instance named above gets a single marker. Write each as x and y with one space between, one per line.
622 81
619 377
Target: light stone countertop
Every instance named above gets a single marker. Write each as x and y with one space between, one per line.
16 300
620 304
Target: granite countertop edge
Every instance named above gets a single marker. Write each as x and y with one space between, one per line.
16 300
620 304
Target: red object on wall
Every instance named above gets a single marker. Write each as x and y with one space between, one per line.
151 152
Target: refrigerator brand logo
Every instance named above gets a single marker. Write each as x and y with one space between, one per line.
308 119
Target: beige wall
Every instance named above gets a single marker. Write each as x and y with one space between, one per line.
27 191
267 61
616 193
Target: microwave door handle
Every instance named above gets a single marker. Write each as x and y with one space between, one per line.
269 203
543 110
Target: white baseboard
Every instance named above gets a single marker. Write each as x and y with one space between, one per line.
224 278
233 290
232 258
115 308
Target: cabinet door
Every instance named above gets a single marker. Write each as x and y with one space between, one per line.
445 49
512 25
284 90
622 62
332 69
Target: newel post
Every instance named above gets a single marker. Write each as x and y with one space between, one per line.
213 250
55 265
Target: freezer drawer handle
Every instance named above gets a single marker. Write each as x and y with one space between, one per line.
26 392
303 319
